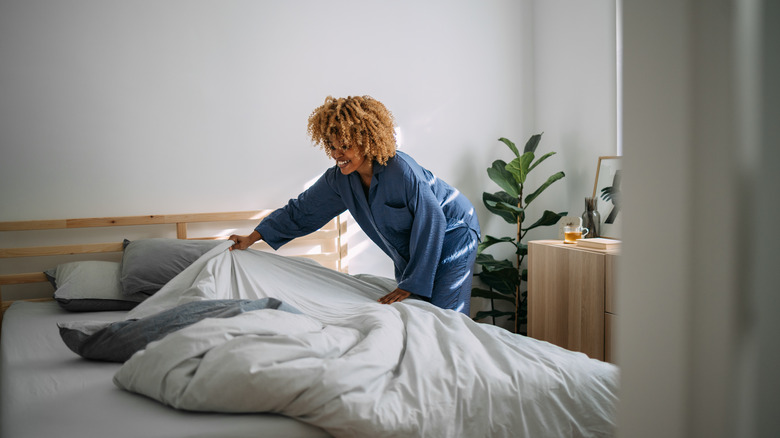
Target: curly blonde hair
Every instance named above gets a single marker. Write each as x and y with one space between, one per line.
360 121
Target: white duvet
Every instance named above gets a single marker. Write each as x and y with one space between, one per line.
358 368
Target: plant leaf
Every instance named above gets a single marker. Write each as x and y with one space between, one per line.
533 142
489 263
484 293
548 218
522 249
501 176
550 180
489 241
501 280
506 207
520 166
496 203
542 158
503 197
511 145
482 314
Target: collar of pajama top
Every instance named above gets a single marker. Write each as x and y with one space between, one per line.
407 213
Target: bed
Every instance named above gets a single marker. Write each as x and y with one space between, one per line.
306 352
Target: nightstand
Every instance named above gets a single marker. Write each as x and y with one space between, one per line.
571 295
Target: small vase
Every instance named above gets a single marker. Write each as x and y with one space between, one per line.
591 218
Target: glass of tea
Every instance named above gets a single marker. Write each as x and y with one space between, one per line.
571 233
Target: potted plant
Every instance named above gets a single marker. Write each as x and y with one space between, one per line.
506 278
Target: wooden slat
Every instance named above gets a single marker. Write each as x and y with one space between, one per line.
181 230
343 261
58 224
342 239
32 277
315 238
218 217
115 221
39 251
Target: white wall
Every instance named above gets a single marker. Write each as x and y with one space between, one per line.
574 97
147 107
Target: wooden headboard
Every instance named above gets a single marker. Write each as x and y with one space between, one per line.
327 246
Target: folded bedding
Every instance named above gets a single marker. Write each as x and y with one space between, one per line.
339 360
118 341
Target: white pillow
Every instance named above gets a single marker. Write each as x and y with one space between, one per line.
89 286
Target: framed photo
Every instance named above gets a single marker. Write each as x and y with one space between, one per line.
607 192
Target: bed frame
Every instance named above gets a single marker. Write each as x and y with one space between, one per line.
327 246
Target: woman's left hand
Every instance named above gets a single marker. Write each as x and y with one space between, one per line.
395 296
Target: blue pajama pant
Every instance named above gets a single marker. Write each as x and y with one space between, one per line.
452 282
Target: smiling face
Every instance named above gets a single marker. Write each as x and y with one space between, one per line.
349 159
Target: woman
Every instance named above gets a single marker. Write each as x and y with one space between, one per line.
428 228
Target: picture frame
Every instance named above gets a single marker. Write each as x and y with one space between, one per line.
607 191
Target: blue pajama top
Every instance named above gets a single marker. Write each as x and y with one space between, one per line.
407 212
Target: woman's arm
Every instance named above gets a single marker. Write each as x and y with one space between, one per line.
244 242
305 214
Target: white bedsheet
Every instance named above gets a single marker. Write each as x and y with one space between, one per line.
357 368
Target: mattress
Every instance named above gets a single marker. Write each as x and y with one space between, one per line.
48 391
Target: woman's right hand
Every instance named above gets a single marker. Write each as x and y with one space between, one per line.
244 242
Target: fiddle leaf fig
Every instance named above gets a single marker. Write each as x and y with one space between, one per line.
489 241
520 166
522 249
504 178
489 263
482 314
548 218
511 145
504 205
550 180
506 278
542 158
502 280
533 143
485 293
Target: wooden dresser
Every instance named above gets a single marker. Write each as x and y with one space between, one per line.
571 294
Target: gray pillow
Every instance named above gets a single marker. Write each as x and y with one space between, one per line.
148 264
90 286
117 341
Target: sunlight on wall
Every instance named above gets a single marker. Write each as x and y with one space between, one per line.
399 137
224 234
